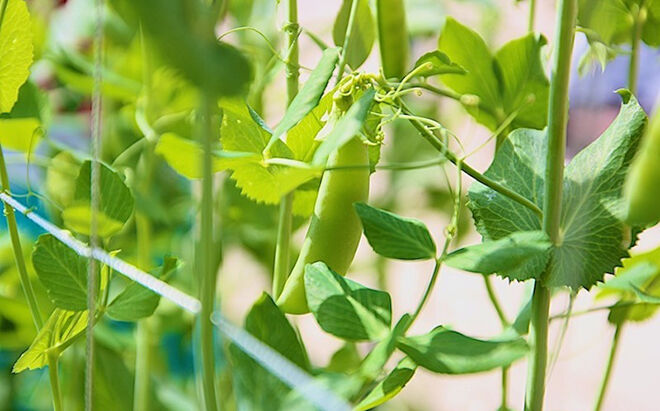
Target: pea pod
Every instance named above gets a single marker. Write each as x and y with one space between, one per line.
642 188
335 230
392 37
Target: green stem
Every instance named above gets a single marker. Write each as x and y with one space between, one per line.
504 404
495 301
633 68
532 15
554 174
438 145
205 257
347 39
608 369
54 381
285 223
26 284
429 288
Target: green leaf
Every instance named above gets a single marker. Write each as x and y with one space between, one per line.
392 37
16 324
345 360
115 202
449 352
16 52
594 239
512 82
22 128
256 388
393 236
437 62
611 19
347 127
651 29
503 255
185 156
62 272
390 386
310 95
61 327
136 301
302 137
375 361
345 308
362 35
523 83
182 32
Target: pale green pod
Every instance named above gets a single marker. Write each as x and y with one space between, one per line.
335 229
642 189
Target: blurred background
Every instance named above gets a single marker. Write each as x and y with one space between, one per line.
459 299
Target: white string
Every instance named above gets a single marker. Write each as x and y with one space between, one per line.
271 360
95 183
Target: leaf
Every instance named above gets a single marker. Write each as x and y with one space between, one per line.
390 386
611 19
256 387
311 93
345 308
62 272
16 324
61 327
375 361
594 239
136 301
115 202
22 128
393 236
183 35
267 184
449 352
362 35
392 37
523 83
16 52
347 127
503 255
301 138
185 156
512 82
437 62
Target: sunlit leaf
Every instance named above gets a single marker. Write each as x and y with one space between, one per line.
16 52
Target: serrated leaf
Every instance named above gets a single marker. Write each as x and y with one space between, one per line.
185 156
61 326
346 128
62 272
594 239
301 138
393 236
345 308
449 352
311 93
115 202
503 255
510 82
267 184
16 52
136 301
437 62
390 386
362 34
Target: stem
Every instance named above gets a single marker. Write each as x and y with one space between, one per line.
431 138
495 302
554 174
608 369
532 14
143 343
206 259
505 389
633 68
429 287
284 227
26 284
54 381
347 39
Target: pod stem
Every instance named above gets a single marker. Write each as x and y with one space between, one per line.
633 68
554 174
285 223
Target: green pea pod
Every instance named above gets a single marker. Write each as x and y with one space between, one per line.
392 37
335 230
642 189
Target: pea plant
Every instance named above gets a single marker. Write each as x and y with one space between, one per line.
115 242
